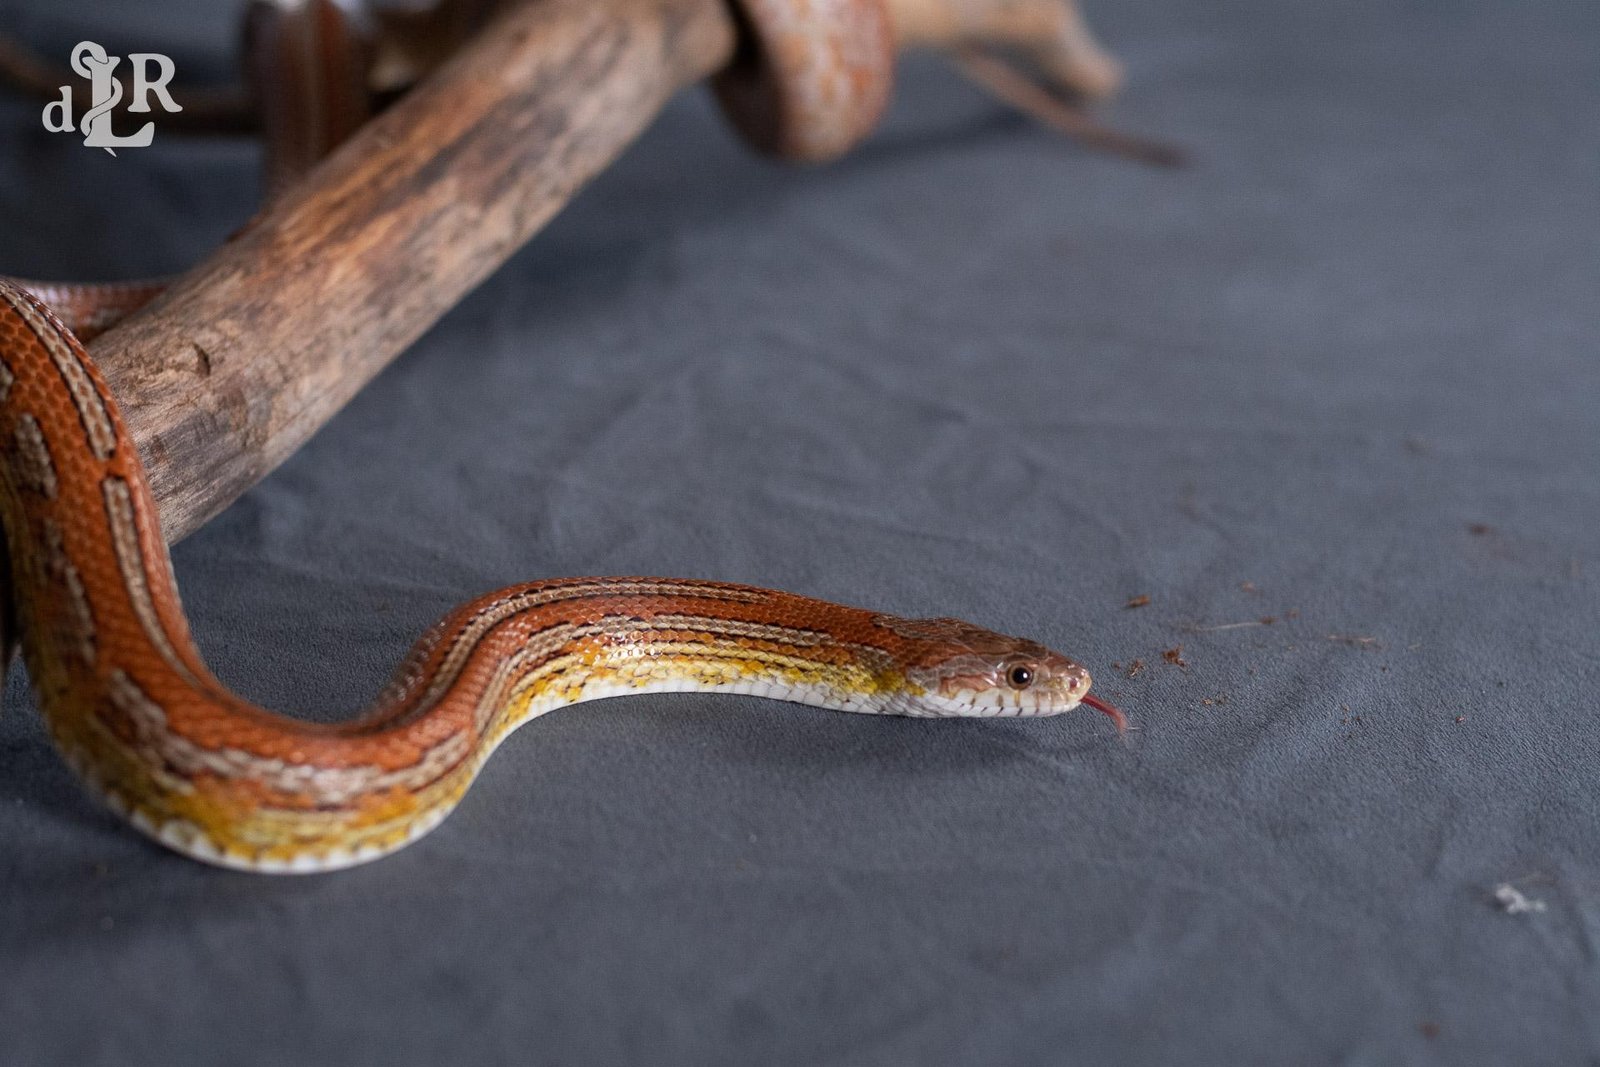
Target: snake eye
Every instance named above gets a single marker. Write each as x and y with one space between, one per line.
1020 676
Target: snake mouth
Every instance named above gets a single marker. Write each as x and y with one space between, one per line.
1107 710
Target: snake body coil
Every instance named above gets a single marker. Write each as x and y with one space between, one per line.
137 714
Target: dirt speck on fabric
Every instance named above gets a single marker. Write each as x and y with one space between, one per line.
1514 901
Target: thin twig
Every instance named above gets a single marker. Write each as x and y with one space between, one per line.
1006 82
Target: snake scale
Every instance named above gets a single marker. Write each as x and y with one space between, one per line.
135 712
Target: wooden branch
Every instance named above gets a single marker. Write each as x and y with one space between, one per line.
247 355
1052 34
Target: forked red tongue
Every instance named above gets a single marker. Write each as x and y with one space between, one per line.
1106 709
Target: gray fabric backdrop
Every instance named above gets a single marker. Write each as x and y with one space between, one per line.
1341 372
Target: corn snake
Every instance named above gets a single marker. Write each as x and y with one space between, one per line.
135 712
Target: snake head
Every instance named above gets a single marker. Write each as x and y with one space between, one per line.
965 670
